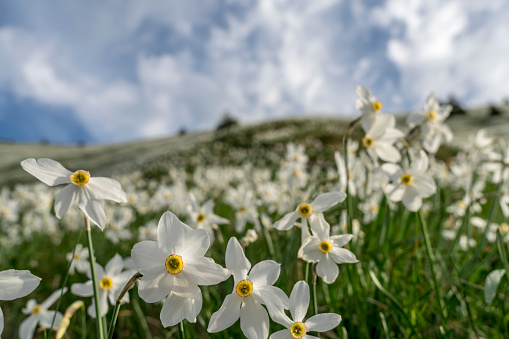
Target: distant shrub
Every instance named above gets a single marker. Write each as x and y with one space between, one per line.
227 122
456 107
494 111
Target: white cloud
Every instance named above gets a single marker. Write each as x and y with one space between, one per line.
131 69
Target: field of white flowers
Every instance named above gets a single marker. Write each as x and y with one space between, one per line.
363 231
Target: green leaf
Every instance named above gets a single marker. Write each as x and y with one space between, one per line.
491 285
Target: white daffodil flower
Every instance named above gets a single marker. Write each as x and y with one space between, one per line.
88 192
305 210
80 260
411 184
111 281
203 216
39 314
380 138
174 266
431 119
326 250
249 293
16 284
296 328
369 107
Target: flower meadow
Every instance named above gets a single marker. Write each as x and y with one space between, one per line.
374 234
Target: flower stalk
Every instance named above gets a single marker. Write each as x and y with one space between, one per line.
99 323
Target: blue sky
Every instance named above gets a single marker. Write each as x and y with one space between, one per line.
119 70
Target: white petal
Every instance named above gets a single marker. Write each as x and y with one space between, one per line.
320 227
106 188
395 192
176 309
46 319
185 288
411 199
170 233
310 249
48 171
394 171
236 260
254 320
93 208
299 300
155 285
17 284
287 222
204 271
1 321
387 152
227 315
420 164
425 186
65 198
342 255
327 269
83 290
215 219
146 254
327 200
323 322
53 298
341 240
196 243
264 273
283 334
114 266
27 327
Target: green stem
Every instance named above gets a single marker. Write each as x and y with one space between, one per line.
182 333
306 272
83 323
114 319
349 207
431 258
315 301
141 317
268 240
63 286
126 288
98 317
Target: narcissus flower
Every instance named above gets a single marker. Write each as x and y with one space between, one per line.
410 184
305 210
326 250
88 192
368 105
174 266
296 328
380 138
39 314
15 284
250 291
111 281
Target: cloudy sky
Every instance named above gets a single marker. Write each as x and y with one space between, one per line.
119 70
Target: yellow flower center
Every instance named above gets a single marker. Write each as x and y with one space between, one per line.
298 329
304 210
325 246
244 288
503 228
296 173
407 179
367 142
37 309
4 212
106 283
377 105
200 217
242 208
80 177
432 116
174 264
